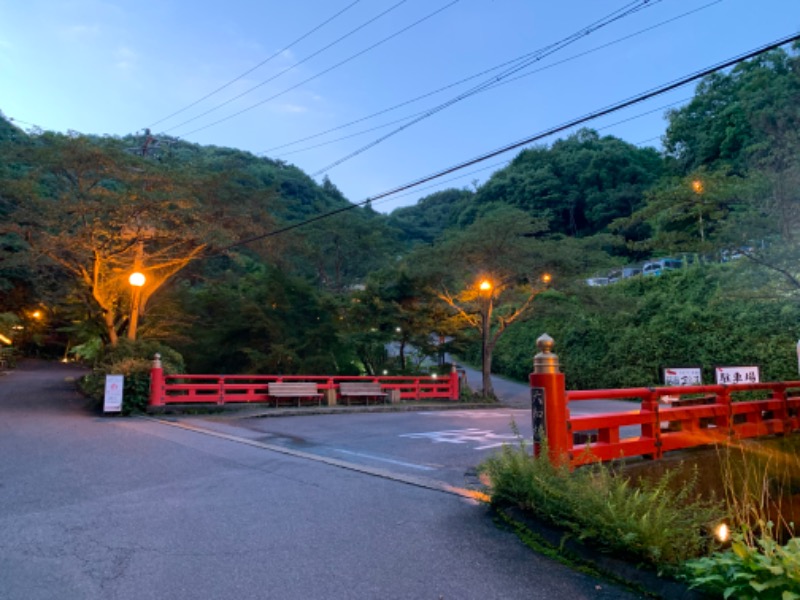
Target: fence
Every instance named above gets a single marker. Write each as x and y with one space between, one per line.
660 420
231 389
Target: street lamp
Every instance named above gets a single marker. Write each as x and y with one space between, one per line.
485 289
137 280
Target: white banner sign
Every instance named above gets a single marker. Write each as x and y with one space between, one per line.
113 397
683 376
730 375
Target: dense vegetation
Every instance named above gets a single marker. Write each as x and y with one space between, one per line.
234 287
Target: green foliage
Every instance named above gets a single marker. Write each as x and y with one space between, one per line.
623 334
582 183
133 360
647 522
766 571
735 114
258 320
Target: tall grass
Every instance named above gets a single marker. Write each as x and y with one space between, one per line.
761 482
644 521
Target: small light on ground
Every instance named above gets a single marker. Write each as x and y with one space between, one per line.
722 532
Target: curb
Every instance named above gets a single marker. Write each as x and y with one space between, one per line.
252 412
642 579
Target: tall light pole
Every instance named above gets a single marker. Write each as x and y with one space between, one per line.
485 287
137 280
698 188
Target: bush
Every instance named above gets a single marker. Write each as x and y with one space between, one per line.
764 572
133 360
646 522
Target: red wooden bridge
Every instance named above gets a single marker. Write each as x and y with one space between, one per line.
661 419
254 389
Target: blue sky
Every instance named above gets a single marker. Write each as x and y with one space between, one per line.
116 67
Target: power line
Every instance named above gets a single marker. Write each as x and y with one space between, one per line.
627 10
534 138
491 87
286 70
261 64
329 69
506 162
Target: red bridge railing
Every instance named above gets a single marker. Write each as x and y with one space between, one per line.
692 416
229 389
661 419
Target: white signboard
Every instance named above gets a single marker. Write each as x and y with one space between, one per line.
113 397
730 375
683 376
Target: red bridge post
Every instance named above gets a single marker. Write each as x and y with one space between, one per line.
455 393
156 383
548 403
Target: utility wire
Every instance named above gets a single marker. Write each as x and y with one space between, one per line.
328 70
491 87
261 64
507 162
534 138
286 70
627 10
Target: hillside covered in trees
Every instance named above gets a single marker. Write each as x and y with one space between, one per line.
251 266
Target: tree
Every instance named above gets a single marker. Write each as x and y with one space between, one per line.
581 183
96 212
687 214
726 118
500 250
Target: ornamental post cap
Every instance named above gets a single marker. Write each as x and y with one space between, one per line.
545 361
545 343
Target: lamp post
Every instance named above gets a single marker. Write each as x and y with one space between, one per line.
698 188
485 288
137 280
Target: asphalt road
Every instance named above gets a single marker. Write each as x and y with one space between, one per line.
110 508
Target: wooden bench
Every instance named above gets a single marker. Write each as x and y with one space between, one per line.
301 390
361 389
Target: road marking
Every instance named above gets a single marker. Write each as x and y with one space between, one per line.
487 438
386 460
471 414
415 480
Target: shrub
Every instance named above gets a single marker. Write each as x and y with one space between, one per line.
766 571
647 522
134 361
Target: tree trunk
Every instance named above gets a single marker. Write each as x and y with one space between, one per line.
486 349
110 328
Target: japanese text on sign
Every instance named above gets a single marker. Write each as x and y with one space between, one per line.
729 375
537 412
683 376
112 401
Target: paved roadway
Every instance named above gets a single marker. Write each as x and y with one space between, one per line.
109 508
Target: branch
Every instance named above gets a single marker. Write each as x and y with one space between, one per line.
472 320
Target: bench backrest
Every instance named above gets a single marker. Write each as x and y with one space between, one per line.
360 387
292 387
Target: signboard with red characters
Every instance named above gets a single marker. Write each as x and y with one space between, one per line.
112 401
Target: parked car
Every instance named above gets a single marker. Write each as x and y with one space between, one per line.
624 273
597 281
657 267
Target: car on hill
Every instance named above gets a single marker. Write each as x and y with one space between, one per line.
661 265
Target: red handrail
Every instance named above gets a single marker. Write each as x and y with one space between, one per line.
695 416
226 389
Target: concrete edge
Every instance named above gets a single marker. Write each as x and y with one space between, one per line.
635 576
257 412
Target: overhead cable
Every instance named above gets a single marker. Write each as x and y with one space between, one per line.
491 87
534 138
629 9
324 72
259 65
